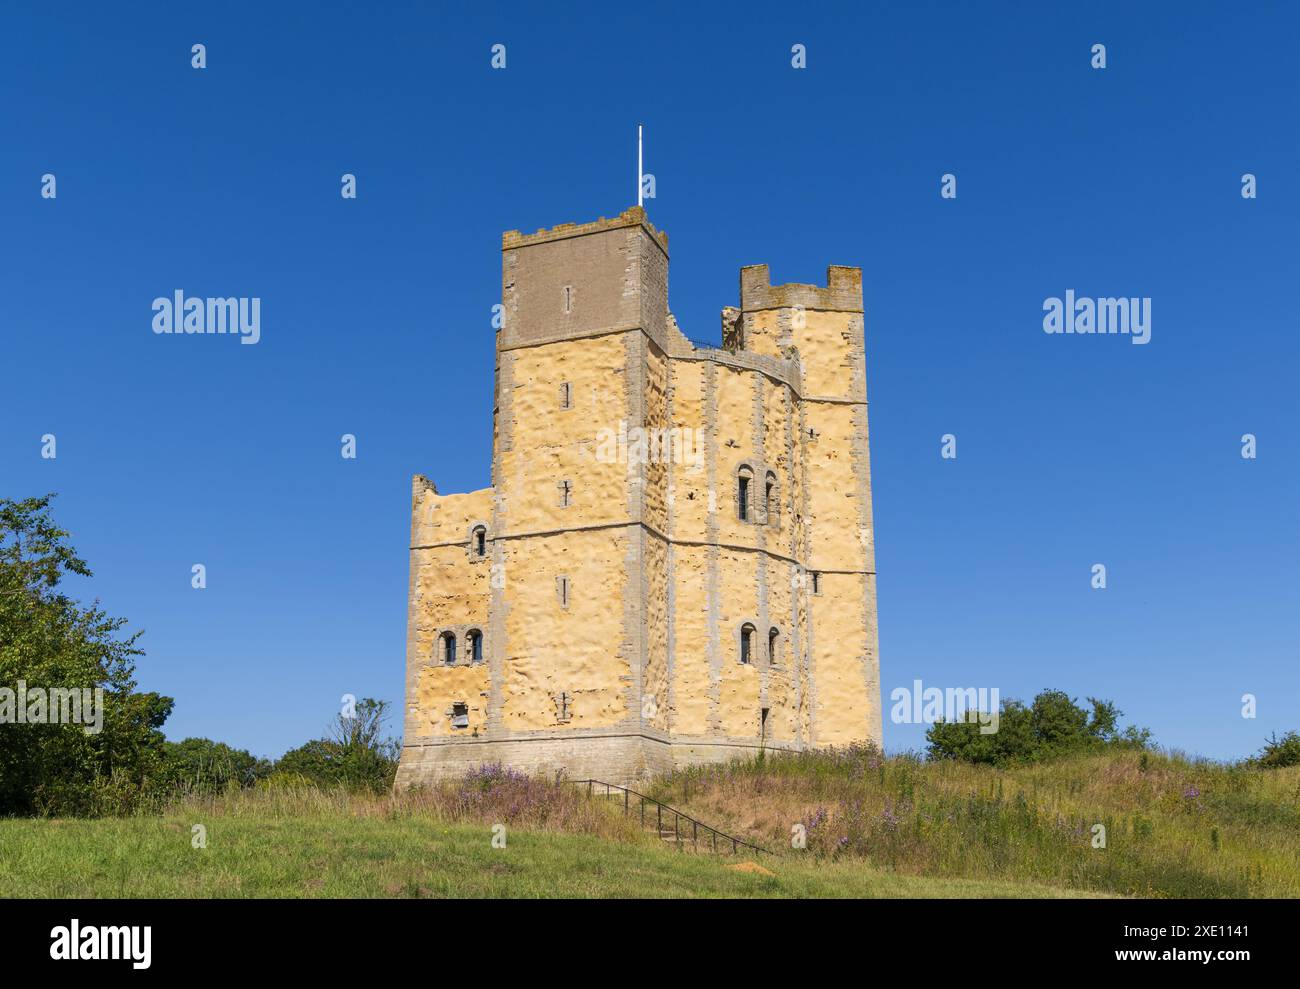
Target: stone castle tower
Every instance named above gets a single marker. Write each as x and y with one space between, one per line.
674 563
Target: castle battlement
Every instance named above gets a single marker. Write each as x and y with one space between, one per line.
634 216
841 293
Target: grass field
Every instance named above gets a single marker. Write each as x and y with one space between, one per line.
875 827
338 855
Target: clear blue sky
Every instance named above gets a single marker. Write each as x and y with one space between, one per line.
376 314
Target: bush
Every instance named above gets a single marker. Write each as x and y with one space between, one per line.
1278 753
355 756
1053 726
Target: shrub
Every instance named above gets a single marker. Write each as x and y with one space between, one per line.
1053 726
354 756
1278 753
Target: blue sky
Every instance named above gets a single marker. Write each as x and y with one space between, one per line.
1072 450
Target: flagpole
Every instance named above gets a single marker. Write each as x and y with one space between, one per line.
638 165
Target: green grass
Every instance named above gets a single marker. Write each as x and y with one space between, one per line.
336 854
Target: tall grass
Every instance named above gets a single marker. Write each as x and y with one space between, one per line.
1173 826
488 795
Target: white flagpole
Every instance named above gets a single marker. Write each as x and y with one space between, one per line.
638 164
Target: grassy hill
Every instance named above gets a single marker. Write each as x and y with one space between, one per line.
875 828
1173 826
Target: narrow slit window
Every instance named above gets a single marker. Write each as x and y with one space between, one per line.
568 298
746 643
566 395
742 493
475 646
449 649
480 541
769 496
773 644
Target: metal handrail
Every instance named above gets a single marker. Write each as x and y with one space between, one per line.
706 344
660 807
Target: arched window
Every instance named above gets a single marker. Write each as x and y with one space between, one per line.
769 496
746 642
480 540
743 477
475 646
773 645
449 648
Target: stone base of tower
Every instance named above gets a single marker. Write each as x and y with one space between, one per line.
625 759
614 758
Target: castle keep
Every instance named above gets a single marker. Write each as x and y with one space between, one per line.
674 563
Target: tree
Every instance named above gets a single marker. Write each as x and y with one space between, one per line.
200 765
48 641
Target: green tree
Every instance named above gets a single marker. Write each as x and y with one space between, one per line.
48 640
200 765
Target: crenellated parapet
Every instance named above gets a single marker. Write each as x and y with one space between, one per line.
841 293
634 216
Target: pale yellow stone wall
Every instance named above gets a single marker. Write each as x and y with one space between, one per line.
659 438
692 680
448 588
776 439
844 658
550 444
764 333
783 677
550 649
826 348
450 591
655 708
738 604
440 687
690 477
735 433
